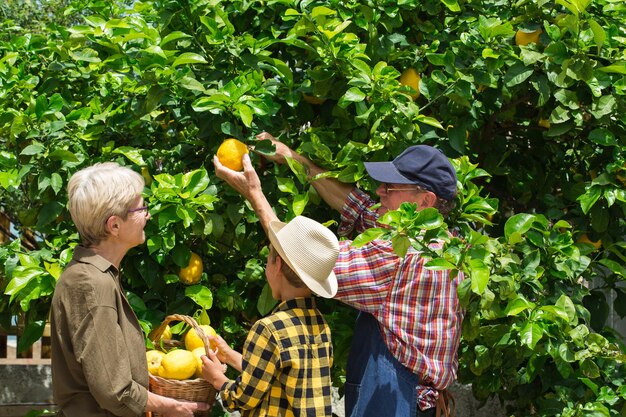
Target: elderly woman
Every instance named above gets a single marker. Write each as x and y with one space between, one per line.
99 365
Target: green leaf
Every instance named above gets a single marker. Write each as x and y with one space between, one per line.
516 226
172 36
453 5
479 275
354 94
531 334
517 74
599 35
188 58
439 264
518 305
33 149
617 68
49 212
603 137
201 295
63 155
368 236
133 154
300 202
400 244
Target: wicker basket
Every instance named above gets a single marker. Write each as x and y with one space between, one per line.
197 389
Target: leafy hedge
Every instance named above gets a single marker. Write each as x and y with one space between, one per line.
537 133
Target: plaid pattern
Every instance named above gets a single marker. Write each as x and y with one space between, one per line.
417 309
287 358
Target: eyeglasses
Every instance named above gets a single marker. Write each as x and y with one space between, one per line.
144 208
388 188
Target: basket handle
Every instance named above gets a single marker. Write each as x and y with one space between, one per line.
156 334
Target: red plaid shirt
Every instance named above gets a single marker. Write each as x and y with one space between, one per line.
417 309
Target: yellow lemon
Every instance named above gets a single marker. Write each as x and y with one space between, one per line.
167 333
411 78
198 352
523 37
145 173
313 99
585 239
193 341
230 153
154 358
192 272
178 364
545 123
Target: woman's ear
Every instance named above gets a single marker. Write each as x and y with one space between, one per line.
113 225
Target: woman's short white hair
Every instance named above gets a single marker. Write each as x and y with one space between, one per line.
98 192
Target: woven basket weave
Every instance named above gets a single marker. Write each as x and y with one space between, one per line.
198 389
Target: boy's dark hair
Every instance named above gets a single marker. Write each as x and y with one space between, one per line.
291 276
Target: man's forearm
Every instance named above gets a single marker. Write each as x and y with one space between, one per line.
262 208
332 191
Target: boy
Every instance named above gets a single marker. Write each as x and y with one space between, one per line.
287 356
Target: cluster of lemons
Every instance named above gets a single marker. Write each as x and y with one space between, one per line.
180 363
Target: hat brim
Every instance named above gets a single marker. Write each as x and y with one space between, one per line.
386 172
326 288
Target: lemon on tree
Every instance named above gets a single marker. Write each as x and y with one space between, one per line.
193 341
193 271
411 78
524 37
178 364
313 99
154 358
230 153
584 238
197 353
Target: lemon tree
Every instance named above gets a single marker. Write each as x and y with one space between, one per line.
535 127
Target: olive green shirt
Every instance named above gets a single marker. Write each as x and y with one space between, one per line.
99 365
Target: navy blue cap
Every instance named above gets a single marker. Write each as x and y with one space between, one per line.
422 165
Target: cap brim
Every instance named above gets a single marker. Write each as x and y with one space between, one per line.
386 172
326 289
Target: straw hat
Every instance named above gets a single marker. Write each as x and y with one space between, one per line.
310 249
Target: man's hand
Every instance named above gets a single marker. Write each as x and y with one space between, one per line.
282 150
213 370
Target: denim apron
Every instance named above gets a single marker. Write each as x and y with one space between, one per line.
377 384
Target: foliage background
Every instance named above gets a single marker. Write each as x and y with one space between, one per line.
537 133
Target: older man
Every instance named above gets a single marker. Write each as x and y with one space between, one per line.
404 349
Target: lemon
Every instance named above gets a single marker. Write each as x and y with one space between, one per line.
154 358
230 153
545 123
178 364
167 333
585 239
193 341
523 37
191 273
145 173
198 352
313 99
411 78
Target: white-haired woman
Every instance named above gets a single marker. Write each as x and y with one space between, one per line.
99 365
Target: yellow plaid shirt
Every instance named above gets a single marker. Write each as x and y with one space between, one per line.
287 358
